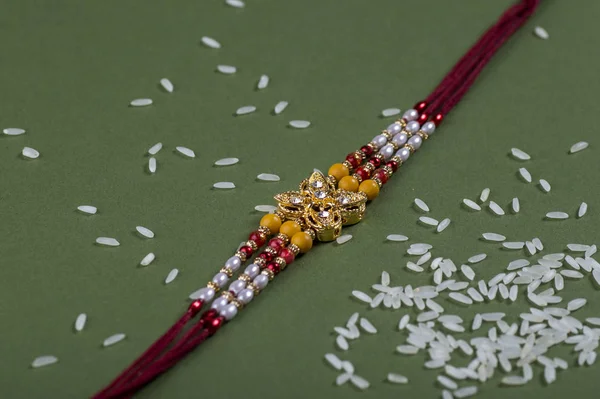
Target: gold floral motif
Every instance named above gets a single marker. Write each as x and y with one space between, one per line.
322 206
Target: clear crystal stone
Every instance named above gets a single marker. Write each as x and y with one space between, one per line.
317 184
320 194
324 214
344 200
296 200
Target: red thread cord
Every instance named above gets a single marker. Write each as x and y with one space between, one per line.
453 87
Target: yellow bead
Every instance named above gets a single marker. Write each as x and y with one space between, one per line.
303 241
290 228
272 222
348 183
338 171
369 187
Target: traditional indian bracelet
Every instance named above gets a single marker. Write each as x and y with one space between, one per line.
317 211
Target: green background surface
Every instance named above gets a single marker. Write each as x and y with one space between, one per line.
68 70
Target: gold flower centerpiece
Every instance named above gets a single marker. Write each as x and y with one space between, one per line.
321 206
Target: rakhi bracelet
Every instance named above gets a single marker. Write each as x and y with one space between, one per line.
316 212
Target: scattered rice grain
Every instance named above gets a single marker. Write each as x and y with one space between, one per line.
224 185
210 42
299 124
171 276
520 154
113 339
343 239
167 85
141 102
582 145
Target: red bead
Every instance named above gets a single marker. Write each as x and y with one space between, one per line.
276 243
376 162
246 250
257 238
352 160
195 307
393 165
267 256
422 118
380 174
438 119
215 324
287 255
367 150
420 106
209 315
364 175
274 267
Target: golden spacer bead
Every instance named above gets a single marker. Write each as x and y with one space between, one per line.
358 178
241 255
227 271
402 122
228 295
347 165
376 179
397 159
213 285
423 135
359 155
264 231
253 287
311 233
294 248
252 245
388 171
387 135
369 167
394 145
268 273
408 134
281 262
332 179
283 237
410 147
260 261
244 277
237 303
271 250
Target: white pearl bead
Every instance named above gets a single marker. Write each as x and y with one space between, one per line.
219 303
403 153
206 294
379 140
410 115
428 127
233 263
246 296
400 139
261 281
412 127
229 312
220 279
415 141
237 286
387 151
394 128
252 270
